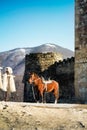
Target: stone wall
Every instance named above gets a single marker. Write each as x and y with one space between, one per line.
63 72
81 50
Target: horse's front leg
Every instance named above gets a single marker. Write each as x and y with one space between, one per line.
42 97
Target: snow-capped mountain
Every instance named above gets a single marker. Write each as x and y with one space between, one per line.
16 58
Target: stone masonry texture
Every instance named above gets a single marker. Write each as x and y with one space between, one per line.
81 50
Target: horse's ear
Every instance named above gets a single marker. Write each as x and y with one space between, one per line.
29 73
33 73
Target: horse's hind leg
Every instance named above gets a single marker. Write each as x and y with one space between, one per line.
56 94
56 100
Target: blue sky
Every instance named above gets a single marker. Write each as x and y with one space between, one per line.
30 23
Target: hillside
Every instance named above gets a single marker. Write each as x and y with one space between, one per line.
16 58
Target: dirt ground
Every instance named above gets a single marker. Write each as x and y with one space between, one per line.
37 116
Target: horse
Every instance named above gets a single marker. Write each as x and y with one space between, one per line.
44 86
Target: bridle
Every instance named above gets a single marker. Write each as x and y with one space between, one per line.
35 80
33 88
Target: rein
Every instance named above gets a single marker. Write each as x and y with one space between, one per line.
33 89
33 93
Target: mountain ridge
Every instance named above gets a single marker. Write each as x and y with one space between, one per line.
15 57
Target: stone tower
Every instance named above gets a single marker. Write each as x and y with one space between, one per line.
81 50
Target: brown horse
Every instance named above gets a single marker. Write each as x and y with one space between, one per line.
48 86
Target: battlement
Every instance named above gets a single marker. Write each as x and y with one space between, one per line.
41 61
65 66
65 62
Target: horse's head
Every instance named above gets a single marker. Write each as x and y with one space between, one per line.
33 78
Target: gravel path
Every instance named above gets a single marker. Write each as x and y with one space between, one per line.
32 116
